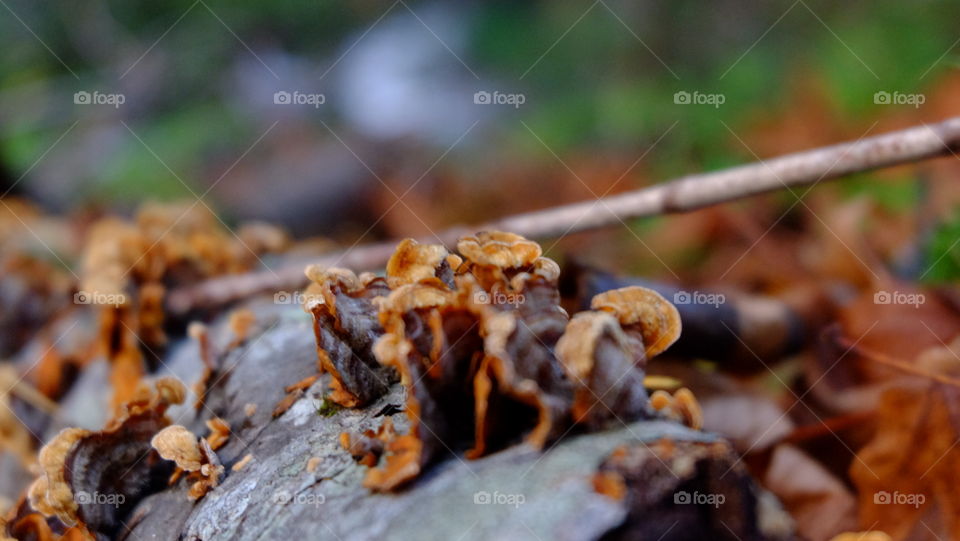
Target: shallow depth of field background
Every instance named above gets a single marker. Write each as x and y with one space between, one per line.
598 97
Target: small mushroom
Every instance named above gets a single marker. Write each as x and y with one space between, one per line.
499 249
413 262
178 444
192 455
241 322
681 406
79 461
644 310
410 297
219 433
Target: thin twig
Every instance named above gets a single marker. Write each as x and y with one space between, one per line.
679 195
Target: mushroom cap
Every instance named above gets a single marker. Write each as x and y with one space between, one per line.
345 277
412 296
171 390
543 267
412 262
658 320
178 444
499 249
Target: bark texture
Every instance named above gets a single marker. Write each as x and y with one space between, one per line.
519 493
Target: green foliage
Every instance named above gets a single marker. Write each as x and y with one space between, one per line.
942 255
591 82
895 195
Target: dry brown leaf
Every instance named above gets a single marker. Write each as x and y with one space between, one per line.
819 502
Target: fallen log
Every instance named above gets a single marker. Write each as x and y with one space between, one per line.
653 478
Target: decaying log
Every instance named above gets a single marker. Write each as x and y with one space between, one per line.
294 479
515 494
301 483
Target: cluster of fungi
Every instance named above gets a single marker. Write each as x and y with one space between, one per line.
127 267
134 263
486 355
484 350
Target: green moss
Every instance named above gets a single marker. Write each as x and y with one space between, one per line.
328 408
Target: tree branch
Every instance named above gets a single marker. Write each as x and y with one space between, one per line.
679 195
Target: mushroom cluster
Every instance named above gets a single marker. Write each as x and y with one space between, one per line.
79 488
129 265
487 355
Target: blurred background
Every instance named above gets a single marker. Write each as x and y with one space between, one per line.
366 120
355 121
